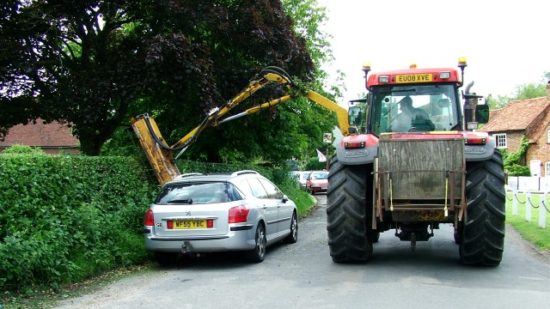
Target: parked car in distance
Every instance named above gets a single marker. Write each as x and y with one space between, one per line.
317 181
301 177
195 213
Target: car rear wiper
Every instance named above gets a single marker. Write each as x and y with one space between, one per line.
181 201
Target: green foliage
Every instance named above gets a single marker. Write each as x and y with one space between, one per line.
513 160
23 149
66 218
304 201
517 170
313 164
522 92
308 17
498 102
96 63
530 91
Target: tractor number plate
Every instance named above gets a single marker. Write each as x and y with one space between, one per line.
413 78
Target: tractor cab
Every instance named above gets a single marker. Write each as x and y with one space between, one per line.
418 100
414 108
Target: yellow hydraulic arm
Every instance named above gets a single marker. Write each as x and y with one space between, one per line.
160 154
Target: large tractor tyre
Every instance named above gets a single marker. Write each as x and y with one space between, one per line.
348 213
482 232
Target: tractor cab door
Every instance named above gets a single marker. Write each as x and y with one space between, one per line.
357 113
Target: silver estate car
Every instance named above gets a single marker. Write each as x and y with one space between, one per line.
197 213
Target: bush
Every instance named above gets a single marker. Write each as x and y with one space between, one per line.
23 149
65 218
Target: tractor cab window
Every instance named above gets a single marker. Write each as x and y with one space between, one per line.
413 108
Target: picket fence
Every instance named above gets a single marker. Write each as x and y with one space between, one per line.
530 186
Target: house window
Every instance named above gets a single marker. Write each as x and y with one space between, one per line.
547 169
548 137
501 140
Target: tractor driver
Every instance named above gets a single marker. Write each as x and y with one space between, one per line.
411 118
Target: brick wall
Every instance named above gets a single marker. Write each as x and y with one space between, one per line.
514 140
540 150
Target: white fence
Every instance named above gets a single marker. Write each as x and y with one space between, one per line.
531 186
525 184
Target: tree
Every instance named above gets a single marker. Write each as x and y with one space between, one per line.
74 62
530 91
523 92
95 63
292 130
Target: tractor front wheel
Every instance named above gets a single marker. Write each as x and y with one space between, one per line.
482 231
348 213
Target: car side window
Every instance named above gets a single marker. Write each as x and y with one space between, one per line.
272 191
243 185
257 189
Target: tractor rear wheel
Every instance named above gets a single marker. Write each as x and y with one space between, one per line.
348 212
482 239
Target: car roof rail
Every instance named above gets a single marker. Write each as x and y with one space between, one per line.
188 175
243 172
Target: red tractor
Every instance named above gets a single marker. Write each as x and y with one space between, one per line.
412 162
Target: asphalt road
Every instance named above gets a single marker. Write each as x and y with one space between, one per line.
302 275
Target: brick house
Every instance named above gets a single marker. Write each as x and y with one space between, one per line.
53 138
529 118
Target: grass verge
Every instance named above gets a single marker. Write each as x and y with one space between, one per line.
304 201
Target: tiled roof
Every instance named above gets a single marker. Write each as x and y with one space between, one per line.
40 134
518 115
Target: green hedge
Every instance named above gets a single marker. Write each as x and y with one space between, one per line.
66 218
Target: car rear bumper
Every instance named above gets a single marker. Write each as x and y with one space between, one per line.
232 241
317 189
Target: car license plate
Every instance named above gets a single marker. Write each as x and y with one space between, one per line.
413 78
189 224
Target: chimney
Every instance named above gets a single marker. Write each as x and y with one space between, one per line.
548 89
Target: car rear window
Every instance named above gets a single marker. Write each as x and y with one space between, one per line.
198 193
323 175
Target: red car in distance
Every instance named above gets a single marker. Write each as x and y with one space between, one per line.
317 182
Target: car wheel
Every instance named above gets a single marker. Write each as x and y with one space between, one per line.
258 253
293 236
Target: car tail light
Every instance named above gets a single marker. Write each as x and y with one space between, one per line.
209 223
354 145
149 219
238 214
169 224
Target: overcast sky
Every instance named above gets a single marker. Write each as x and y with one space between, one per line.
507 43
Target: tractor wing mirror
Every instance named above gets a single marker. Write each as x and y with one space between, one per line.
482 113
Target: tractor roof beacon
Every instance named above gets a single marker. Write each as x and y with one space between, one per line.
408 167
